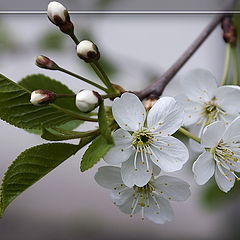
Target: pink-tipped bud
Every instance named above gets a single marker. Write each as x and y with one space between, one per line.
87 100
88 51
45 62
42 97
59 16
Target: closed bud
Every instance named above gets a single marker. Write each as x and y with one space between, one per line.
88 51
59 16
45 62
87 100
42 97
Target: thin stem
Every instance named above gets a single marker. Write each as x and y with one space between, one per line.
79 116
157 87
103 76
65 95
226 65
74 38
235 65
110 96
82 78
189 135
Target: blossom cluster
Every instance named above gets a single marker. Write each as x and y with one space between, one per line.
143 147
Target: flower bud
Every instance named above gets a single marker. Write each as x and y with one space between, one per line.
88 51
45 62
42 97
148 104
59 16
87 100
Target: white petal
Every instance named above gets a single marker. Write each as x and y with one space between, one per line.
127 206
166 116
222 181
122 149
199 85
129 112
172 188
169 154
212 134
139 177
108 177
196 131
160 213
203 168
227 97
232 131
192 110
120 198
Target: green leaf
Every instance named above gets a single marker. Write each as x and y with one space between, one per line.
57 134
98 148
16 109
103 123
212 196
30 166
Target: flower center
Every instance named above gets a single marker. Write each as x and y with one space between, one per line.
211 111
142 137
226 157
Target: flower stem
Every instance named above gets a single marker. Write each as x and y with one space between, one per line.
65 95
110 96
83 79
227 64
103 76
235 65
80 116
74 38
189 135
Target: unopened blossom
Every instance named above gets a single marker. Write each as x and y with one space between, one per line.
152 199
204 102
42 97
221 156
59 16
88 51
87 100
143 141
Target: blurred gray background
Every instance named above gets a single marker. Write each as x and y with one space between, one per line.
162 5
68 204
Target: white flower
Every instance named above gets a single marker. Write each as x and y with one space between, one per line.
141 145
152 199
204 102
56 10
222 154
87 100
42 97
88 51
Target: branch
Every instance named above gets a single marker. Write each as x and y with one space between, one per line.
157 87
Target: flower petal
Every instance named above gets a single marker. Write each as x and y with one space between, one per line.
108 177
203 168
199 85
223 182
120 197
129 112
172 188
139 177
212 134
232 131
166 116
227 97
192 110
128 205
159 213
122 149
169 153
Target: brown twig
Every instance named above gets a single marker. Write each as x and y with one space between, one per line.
157 87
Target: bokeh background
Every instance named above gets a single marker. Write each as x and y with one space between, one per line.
136 49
